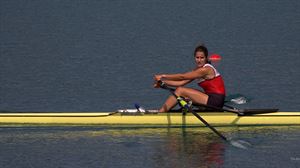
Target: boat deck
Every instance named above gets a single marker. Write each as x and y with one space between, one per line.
166 119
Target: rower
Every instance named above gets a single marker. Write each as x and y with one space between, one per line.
207 77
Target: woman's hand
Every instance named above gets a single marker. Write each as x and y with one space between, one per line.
156 85
157 78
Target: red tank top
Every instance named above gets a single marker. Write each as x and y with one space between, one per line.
215 85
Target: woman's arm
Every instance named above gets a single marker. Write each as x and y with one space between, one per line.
172 83
198 73
177 83
182 79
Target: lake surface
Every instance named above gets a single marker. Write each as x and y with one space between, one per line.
147 147
102 55
91 55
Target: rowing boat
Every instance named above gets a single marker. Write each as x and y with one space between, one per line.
148 119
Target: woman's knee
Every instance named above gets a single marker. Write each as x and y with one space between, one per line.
180 90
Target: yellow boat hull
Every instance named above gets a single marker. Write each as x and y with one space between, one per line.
158 119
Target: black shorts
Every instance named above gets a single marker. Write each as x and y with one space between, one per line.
216 100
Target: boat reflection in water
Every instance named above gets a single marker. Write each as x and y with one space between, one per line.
107 146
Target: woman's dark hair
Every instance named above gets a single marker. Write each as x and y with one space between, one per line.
202 48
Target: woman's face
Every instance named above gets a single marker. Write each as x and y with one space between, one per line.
200 59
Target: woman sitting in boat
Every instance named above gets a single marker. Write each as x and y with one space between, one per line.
207 77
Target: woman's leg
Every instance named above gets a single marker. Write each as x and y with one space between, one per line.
195 95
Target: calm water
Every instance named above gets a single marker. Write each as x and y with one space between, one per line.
91 55
147 147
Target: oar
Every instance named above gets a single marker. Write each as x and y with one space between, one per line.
237 143
184 104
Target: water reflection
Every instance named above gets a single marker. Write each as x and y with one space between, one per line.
133 147
190 148
162 147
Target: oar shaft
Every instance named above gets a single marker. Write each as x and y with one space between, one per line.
195 114
208 125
